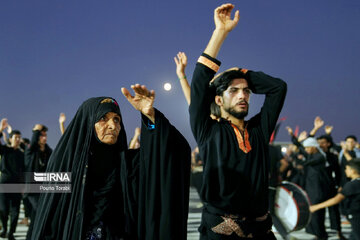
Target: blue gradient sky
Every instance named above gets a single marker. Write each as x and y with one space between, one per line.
56 54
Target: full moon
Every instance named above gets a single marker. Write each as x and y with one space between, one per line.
167 86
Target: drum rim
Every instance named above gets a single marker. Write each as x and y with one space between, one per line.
297 207
301 189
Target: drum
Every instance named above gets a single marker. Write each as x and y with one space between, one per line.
292 206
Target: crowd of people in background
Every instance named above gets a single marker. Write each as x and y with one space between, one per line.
317 164
19 155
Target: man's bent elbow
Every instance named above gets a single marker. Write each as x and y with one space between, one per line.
282 86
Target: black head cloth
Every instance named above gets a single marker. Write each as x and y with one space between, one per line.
73 147
61 213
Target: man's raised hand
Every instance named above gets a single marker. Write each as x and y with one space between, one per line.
3 124
9 128
302 136
222 17
62 118
318 122
328 129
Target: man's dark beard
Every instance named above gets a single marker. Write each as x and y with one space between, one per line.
238 115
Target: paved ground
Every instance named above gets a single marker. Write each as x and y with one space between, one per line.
194 222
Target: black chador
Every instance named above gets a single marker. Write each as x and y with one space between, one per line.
117 193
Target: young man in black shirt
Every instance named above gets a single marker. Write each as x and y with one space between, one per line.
36 159
333 171
235 152
351 195
348 152
12 169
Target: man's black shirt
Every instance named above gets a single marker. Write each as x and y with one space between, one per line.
234 181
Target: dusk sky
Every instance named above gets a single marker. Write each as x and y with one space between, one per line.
55 54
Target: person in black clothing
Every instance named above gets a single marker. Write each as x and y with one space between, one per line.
317 182
334 148
348 152
350 194
235 152
36 159
333 171
12 169
25 143
118 193
38 153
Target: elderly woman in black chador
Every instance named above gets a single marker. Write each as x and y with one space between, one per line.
118 193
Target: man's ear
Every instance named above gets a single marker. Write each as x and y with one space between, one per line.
219 101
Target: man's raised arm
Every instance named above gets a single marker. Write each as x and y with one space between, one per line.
223 25
205 70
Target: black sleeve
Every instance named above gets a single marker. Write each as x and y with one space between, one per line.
164 176
333 145
295 141
275 92
347 189
34 143
201 99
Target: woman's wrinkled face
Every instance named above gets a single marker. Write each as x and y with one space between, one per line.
108 128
